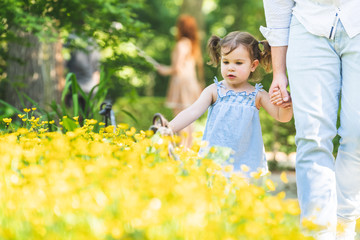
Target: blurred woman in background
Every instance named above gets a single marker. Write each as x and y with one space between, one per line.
185 70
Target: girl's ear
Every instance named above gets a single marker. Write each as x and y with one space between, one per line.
254 65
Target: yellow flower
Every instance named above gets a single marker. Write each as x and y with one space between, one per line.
101 124
76 118
52 122
21 115
123 126
270 185
198 134
245 168
283 177
228 168
255 175
131 132
33 108
109 129
308 224
27 110
91 121
7 120
149 133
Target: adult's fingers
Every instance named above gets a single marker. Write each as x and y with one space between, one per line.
284 93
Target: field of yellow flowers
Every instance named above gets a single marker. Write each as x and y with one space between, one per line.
119 183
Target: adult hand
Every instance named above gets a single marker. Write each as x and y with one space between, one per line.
280 82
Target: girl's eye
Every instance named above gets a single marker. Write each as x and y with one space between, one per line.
239 63
225 62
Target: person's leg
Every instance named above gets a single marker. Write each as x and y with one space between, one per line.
314 75
347 166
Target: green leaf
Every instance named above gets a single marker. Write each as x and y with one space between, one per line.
10 106
69 124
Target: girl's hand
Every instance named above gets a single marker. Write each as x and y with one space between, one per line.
276 98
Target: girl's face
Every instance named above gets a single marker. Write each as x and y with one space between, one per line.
237 66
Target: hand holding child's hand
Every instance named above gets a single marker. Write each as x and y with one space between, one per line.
277 99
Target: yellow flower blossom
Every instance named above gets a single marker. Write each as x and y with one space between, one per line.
7 120
27 110
123 126
91 121
244 168
228 168
131 132
270 185
21 115
283 177
212 150
109 129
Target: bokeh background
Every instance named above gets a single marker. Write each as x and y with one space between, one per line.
33 53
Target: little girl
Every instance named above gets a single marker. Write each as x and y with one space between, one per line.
233 104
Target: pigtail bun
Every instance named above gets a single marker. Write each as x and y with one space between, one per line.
265 55
213 47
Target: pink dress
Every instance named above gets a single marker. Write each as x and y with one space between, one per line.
184 87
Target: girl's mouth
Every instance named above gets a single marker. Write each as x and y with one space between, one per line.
231 76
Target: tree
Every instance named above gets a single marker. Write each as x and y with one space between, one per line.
31 34
193 8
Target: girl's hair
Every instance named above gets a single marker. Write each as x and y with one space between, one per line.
187 28
259 50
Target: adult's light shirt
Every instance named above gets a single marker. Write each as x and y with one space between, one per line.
319 17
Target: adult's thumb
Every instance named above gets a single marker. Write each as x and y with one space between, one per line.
285 94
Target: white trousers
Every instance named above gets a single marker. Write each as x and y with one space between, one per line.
324 73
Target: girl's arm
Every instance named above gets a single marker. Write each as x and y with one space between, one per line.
198 108
281 114
181 50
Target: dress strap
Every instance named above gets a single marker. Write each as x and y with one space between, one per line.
219 85
258 88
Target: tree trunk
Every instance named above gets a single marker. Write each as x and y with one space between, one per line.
33 71
193 8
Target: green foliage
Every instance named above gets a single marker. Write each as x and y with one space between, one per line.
92 101
142 109
110 22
